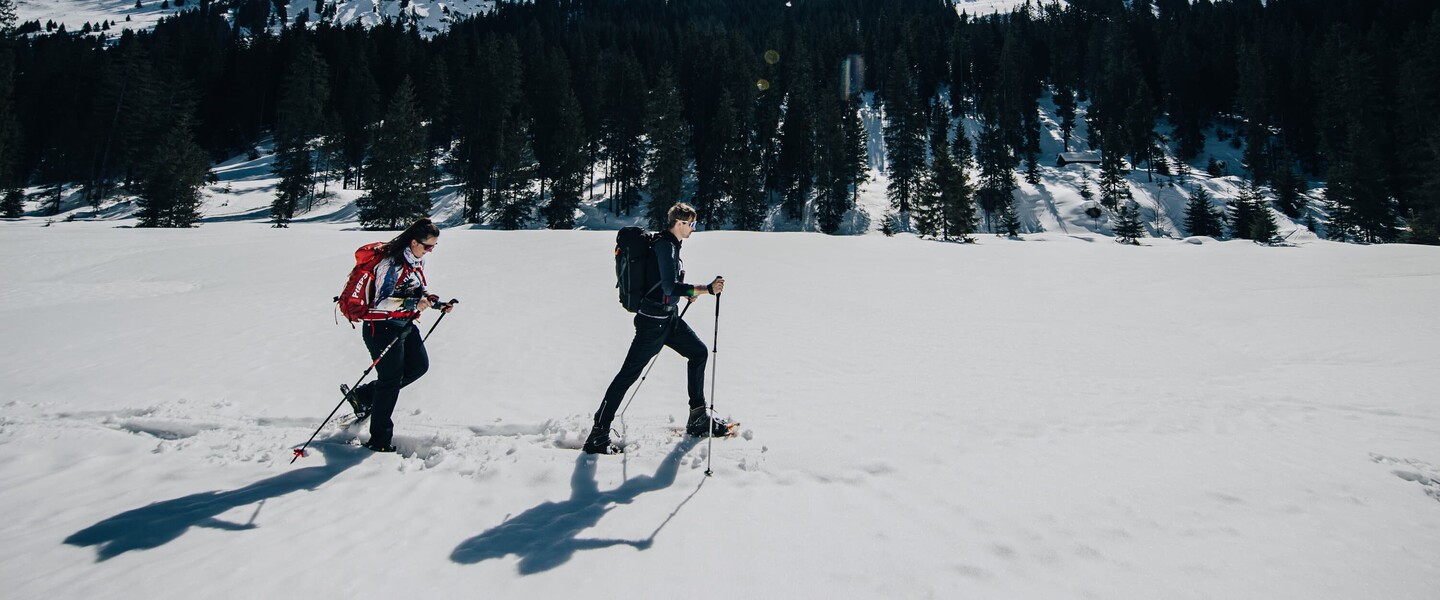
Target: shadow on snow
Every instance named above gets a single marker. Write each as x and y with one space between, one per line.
162 522
544 537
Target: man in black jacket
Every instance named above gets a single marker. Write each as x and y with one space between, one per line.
658 324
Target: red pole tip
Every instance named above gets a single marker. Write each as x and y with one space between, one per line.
299 453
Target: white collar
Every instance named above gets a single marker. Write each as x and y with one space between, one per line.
410 258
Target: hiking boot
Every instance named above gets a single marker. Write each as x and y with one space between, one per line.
599 443
357 404
702 425
372 446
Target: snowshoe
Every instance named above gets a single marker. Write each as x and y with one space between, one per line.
600 443
378 447
702 425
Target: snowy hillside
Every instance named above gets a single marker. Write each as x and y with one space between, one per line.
430 17
246 187
989 7
1059 417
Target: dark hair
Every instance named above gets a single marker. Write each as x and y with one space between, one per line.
680 212
419 230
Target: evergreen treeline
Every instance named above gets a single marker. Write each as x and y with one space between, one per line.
749 110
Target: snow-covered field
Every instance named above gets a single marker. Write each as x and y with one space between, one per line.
1058 417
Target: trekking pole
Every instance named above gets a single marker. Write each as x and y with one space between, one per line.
299 452
451 303
647 370
714 375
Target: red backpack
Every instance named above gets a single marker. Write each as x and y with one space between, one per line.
354 299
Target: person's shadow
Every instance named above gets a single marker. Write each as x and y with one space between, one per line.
162 522
544 537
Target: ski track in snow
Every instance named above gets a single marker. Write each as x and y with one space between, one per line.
1412 470
222 437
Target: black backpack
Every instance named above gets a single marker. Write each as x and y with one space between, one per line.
634 253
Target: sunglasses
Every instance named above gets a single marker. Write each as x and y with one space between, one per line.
692 224
427 247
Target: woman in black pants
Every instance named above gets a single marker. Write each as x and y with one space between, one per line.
395 294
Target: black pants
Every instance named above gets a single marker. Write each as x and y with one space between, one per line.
650 337
403 364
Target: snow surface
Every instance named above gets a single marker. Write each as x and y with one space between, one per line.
1058 417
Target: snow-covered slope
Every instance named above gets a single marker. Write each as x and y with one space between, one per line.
1060 417
430 16
988 7
246 189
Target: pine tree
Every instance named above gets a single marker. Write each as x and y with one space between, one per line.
330 153
13 204
1200 219
299 116
997 172
889 224
1419 85
739 181
856 154
1253 220
1288 188
398 166
435 99
1128 226
796 169
1263 228
513 201
7 17
1247 209
956 192
742 183
1340 227
492 83
570 164
292 164
1009 220
554 128
926 215
357 108
9 124
837 163
1114 190
668 140
1065 108
170 186
1254 102
130 117
904 136
623 128
1354 135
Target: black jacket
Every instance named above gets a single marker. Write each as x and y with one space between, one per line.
669 272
